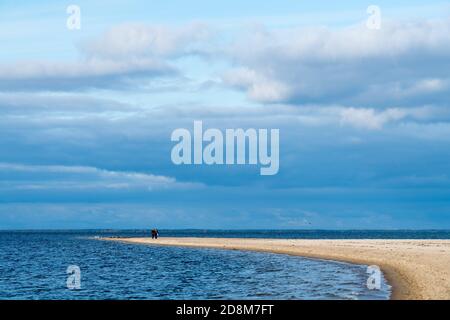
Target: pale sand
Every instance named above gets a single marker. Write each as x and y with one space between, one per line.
416 269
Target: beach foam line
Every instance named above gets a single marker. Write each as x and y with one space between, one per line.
416 269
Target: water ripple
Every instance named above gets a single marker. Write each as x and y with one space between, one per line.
33 266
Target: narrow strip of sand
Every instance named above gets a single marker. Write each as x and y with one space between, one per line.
416 269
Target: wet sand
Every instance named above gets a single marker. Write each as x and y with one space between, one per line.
416 269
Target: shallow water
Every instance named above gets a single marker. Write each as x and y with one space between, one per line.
33 266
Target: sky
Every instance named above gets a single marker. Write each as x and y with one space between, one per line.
86 115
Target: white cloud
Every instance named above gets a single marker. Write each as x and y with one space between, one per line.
79 75
403 63
370 118
126 56
87 68
430 85
58 177
258 86
141 40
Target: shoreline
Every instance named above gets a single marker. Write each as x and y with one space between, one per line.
415 269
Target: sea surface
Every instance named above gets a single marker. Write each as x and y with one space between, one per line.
33 265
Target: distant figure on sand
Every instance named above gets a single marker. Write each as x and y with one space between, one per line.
155 233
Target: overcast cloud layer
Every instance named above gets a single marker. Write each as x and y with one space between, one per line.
364 121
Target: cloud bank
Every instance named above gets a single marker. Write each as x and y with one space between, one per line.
402 64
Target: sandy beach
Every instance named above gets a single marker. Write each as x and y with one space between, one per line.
416 269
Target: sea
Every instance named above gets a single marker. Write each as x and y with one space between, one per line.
76 265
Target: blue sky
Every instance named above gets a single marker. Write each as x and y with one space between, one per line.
86 115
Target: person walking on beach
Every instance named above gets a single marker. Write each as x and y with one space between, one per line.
155 233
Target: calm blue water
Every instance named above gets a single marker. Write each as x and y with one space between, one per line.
33 266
